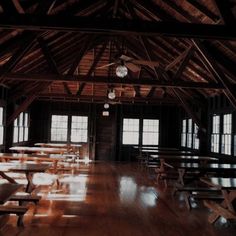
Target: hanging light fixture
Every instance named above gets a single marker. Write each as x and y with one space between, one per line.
106 105
111 94
121 71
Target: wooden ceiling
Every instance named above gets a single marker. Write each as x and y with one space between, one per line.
52 49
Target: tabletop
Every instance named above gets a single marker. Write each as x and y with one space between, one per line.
24 167
38 149
182 157
221 183
57 145
208 167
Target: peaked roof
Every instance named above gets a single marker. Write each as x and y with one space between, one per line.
54 49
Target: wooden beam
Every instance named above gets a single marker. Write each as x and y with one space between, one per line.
184 63
117 26
151 92
18 55
66 97
224 8
188 109
204 10
115 8
93 66
21 108
88 42
229 91
114 81
51 62
44 7
8 7
177 59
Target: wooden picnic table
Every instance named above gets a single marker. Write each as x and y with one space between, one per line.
27 169
58 145
51 158
166 152
224 208
41 150
184 168
166 160
155 148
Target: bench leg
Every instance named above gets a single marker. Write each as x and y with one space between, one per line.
20 221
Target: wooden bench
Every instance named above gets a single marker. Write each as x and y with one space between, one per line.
25 198
17 210
199 193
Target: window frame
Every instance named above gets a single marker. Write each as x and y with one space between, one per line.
151 132
68 128
2 125
226 136
20 128
215 133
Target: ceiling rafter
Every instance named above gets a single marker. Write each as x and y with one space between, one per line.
51 62
93 66
184 63
215 70
224 8
117 26
204 10
113 80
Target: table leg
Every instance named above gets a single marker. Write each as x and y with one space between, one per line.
229 197
7 177
29 177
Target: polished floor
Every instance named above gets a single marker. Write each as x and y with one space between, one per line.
112 199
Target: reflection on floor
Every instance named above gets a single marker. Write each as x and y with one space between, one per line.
112 199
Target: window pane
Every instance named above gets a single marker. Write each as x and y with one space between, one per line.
226 136
15 134
130 131
79 129
215 137
1 135
59 126
26 134
150 132
1 116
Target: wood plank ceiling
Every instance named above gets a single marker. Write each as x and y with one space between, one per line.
53 49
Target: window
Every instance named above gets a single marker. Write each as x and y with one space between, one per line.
59 128
21 128
215 136
26 127
195 137
226 136
1 126
130 131
150 132
183 134
189 134
79 129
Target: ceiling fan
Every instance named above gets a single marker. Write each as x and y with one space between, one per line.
125 62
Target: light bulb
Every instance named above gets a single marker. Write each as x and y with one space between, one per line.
121 71
112 94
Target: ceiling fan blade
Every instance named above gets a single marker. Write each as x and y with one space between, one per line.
126 58
107 65
146 63
132 67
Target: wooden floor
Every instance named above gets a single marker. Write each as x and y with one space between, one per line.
113 199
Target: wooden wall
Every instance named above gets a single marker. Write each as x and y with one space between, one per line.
105 132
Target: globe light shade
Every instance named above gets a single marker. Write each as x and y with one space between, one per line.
106 105
121 71
112 94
